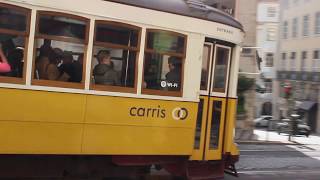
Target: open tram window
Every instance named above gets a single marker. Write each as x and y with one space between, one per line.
60 44
163 63
14 33
116 46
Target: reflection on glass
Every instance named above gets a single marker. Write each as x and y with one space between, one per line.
162 72
114 67
205 67
199 125
165 42
221 68
117 35
12 19
215 125
62 26
58 60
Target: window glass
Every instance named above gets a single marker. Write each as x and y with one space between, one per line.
295 27
14 27
293 61
163 63
205 67
269 59
113 67
221 69
164 41
197 137
13 19
215 124
115 51
162 72
58 60
116 34
306 25
60 49
317 23
62 26
285 30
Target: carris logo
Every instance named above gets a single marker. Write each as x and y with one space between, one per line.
180 113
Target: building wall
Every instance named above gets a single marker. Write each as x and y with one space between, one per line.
246 13
267 33
301 71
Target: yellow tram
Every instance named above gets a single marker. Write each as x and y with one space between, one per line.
110 87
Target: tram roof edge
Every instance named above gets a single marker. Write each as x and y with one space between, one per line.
182 7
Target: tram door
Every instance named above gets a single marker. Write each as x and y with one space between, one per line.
212 106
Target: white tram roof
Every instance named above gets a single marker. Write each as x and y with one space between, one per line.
186 8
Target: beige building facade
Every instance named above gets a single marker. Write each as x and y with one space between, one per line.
298 64
246 11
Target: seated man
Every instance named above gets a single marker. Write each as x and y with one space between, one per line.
104 72
173 77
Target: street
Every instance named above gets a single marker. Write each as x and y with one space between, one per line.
279 161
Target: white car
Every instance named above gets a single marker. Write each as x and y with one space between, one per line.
262 121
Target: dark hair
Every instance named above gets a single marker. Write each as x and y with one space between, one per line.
102 54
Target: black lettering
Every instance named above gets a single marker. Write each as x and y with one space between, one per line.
163 113
153 110
131 113
158 111
141 111
148 110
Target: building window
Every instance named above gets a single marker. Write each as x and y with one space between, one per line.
306 25
269 60
60 44
295 27
304 57
285 30
315 60
115 53
268 85
283 62
271 11
14 33
271 34
293 61
317 23
163 63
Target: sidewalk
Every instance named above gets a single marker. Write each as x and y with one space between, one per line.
272 137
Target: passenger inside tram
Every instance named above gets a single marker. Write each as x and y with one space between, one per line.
56 64
12 49
173 77
162 72
104 72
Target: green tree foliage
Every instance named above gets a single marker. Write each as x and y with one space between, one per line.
244 84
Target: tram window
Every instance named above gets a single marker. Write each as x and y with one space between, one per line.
114 58
113 67
165 42
215 124
221 69
14 32
163 63
205 67
60 44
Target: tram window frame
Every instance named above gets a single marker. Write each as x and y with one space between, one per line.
25 34
182 55
84 42
226 73
135 49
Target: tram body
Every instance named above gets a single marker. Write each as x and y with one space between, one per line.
135 125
